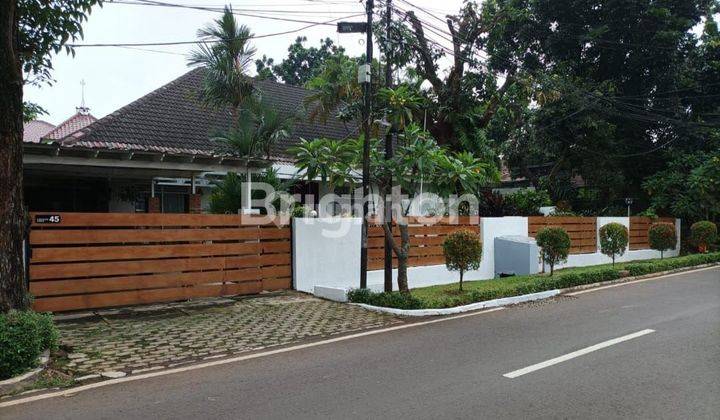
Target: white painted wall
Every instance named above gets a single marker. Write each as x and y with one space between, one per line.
581 260
326 252
430 275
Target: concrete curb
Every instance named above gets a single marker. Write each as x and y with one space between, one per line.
465 308
19 382
524 298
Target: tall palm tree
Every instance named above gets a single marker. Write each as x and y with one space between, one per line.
226 54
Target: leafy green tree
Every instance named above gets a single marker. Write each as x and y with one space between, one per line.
662 237
302 63
31 31
418 157
555 245
689 188
463 252
613 240
702 234
617 100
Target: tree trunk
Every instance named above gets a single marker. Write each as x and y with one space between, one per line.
552 269
12 226
461 279
403 258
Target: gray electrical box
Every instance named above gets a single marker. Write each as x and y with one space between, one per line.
516 254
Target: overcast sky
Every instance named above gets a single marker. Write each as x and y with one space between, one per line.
117 76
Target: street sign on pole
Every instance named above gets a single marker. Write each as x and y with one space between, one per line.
351 27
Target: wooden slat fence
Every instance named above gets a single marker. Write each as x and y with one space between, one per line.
425 241
582 231
639 230
97 260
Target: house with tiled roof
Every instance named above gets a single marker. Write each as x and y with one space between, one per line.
156 153
35 130
80 120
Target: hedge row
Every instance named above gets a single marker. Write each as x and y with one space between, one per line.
24 335
525 285
640 268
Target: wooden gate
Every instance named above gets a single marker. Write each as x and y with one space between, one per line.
97 260
581 230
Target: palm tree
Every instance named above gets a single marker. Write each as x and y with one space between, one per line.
336 90
331 160
226 54
270 125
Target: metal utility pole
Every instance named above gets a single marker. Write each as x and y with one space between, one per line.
388 282
367 90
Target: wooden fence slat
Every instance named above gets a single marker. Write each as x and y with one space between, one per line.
109 236
41 255
153 281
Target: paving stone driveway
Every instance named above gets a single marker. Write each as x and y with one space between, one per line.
183 334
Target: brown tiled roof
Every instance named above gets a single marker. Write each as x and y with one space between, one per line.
71 125
172 119
34 130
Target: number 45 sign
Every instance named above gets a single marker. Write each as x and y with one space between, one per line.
47 218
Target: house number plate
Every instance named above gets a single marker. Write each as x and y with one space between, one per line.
47 218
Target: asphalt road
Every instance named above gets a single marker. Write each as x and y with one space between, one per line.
455 368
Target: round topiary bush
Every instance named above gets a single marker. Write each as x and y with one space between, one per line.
662 237
555 245
702 234
24 335
463 252
613 240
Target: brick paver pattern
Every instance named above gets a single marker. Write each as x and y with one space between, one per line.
182 335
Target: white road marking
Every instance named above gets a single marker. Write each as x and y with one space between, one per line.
610 286
586 350
72 391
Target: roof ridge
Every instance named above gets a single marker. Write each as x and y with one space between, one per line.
79 134
61 126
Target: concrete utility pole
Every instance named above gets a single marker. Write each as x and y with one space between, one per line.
367 88
388 281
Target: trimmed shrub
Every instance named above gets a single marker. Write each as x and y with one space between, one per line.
463 252
642 268
24 335
555 245
385 299
613 240
662 237
702 234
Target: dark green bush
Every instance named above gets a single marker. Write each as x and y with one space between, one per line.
642 268
463 252
385 299
24 335
702 234
555 245
528 202
613 240
662 237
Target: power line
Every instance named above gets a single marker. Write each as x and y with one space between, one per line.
157 44
216 10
